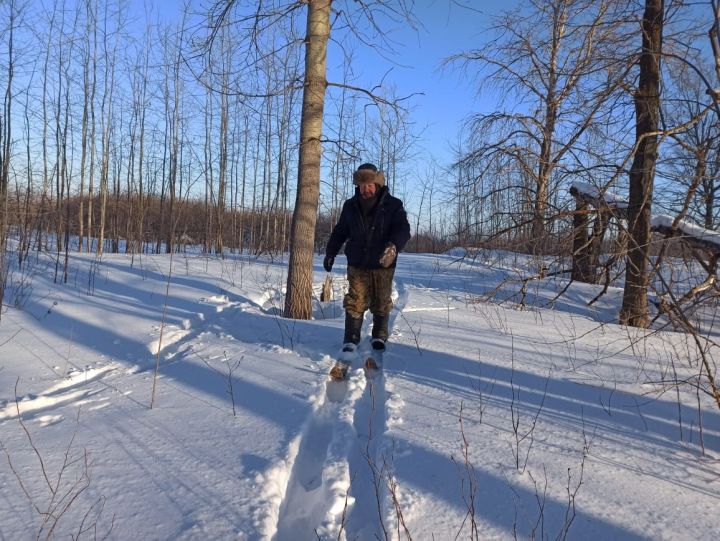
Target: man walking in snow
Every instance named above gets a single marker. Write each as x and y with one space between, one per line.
376 228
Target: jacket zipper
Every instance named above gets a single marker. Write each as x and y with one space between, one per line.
369 233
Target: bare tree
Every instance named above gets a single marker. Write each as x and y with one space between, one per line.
559 60
93 13
691 164
314 85
634 309
6 144
84 139
107 120
302 234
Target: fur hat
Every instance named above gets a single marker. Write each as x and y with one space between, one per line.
368 173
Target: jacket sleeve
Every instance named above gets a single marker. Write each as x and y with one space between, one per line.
400 228
340 233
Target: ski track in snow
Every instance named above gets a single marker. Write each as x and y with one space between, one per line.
314 498
332 482
338 478
366 463
75 388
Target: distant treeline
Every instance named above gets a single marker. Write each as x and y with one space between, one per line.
135 225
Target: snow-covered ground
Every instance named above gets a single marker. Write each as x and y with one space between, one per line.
490 420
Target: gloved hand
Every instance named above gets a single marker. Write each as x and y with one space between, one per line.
328 262
389 255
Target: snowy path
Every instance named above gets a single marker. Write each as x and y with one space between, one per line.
248 440
366 519
316 478
340 470
331 487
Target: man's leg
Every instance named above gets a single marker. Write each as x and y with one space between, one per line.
381 301
355 303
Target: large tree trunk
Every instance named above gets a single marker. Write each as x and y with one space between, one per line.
298 299
581 244
551 101
634 310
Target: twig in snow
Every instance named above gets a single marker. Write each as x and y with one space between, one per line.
469 492
61 492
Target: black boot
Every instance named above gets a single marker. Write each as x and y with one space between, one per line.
353 326
380 327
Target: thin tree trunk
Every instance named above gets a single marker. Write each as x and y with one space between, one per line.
91 173
84 129
223 143
209 214
66 173
140 223
46 177
59 184
254 209
26 232
107 131
5 148
175 149
243 184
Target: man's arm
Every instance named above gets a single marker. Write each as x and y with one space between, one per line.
339 235
400 228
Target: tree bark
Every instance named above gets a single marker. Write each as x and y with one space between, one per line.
580 259
93 89
302 234
634 310
5 150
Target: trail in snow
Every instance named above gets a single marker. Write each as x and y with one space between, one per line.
369 463
307 498
366 463
337 481
332 484
317 497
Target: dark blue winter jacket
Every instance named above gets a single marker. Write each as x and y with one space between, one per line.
366 239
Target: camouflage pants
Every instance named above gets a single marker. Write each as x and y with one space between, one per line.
369 288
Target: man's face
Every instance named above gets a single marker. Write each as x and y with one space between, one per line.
367 190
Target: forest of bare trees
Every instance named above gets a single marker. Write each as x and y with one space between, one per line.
219 126
617 96
134 135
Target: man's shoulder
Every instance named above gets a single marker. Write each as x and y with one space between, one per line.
392 201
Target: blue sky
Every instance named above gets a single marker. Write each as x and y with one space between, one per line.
448 96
